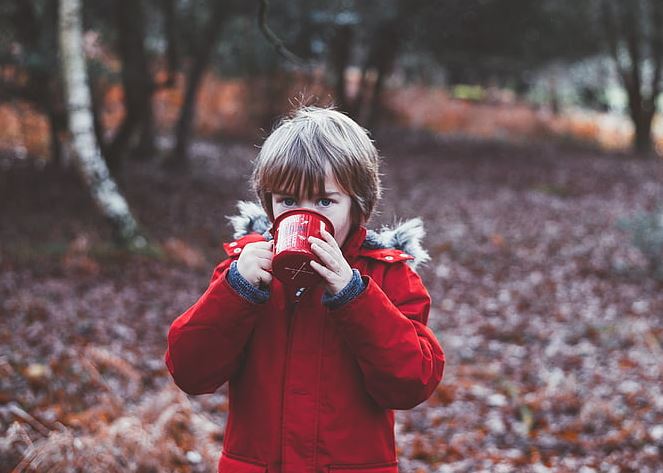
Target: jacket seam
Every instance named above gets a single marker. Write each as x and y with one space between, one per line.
252 461
318 391
286 372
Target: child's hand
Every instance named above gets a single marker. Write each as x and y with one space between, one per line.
336 271
255 262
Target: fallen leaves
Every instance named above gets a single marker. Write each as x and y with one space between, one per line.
551 327
182 253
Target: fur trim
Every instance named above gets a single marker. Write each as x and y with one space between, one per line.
252 218
406 236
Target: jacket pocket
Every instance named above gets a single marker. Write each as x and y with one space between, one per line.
372 468
232 464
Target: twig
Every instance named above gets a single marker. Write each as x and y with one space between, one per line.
23 415
26 461
272 38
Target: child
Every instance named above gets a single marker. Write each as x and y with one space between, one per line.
313 374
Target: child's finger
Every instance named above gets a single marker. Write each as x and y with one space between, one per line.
263 254
267 245
329 238
322 244
322 270
265 278
265 263
325 256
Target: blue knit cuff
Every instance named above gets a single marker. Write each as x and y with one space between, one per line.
349 292
244 288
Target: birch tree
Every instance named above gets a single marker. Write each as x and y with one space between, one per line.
87 156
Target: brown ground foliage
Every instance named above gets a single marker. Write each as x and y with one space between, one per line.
551 324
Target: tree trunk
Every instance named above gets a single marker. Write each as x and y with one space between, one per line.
641 111
185 122
136 133
170 31
621 23
642 138
54 128
87 155
357 105
388 40
340 49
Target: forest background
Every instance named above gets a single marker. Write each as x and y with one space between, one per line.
527 135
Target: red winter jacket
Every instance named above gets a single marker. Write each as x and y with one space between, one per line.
311 390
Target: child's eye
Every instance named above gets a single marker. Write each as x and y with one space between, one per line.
325 202
288 202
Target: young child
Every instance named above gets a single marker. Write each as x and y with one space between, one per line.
313 375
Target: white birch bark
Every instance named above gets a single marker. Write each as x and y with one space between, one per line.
87 154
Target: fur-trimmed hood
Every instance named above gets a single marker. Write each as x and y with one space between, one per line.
405 236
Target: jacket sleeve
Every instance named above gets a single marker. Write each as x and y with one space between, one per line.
385 327
206 342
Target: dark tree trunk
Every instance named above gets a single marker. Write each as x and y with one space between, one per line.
621 23
642 137
57 116
340 57
357 104
387 45
137 85
42 87
55 144
383 53
185 122
172 49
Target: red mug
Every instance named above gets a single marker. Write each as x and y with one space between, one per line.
292 250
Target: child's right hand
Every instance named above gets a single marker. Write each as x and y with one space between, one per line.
255 263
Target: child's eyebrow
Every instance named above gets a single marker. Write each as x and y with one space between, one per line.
326 194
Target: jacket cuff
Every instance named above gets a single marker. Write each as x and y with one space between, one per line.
349 292
244 288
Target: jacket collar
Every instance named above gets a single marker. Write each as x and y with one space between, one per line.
353 242
405 236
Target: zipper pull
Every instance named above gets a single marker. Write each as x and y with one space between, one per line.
298 293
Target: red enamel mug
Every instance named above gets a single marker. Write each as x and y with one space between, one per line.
292 250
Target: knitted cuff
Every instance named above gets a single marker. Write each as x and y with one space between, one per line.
349 292
244 288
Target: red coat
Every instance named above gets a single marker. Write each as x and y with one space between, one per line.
311 390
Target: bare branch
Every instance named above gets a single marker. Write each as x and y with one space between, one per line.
272 38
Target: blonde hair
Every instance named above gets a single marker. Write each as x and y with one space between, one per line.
294 158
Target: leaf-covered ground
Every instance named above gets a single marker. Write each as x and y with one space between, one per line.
551 324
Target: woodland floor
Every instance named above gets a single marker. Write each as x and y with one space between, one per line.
551 324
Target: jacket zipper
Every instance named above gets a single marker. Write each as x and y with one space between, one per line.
292 309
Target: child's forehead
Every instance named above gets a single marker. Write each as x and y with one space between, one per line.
305 186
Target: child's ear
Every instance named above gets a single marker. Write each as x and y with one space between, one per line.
356 215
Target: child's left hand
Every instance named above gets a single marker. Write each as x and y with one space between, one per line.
336 271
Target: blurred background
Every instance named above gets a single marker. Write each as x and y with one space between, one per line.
527 135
